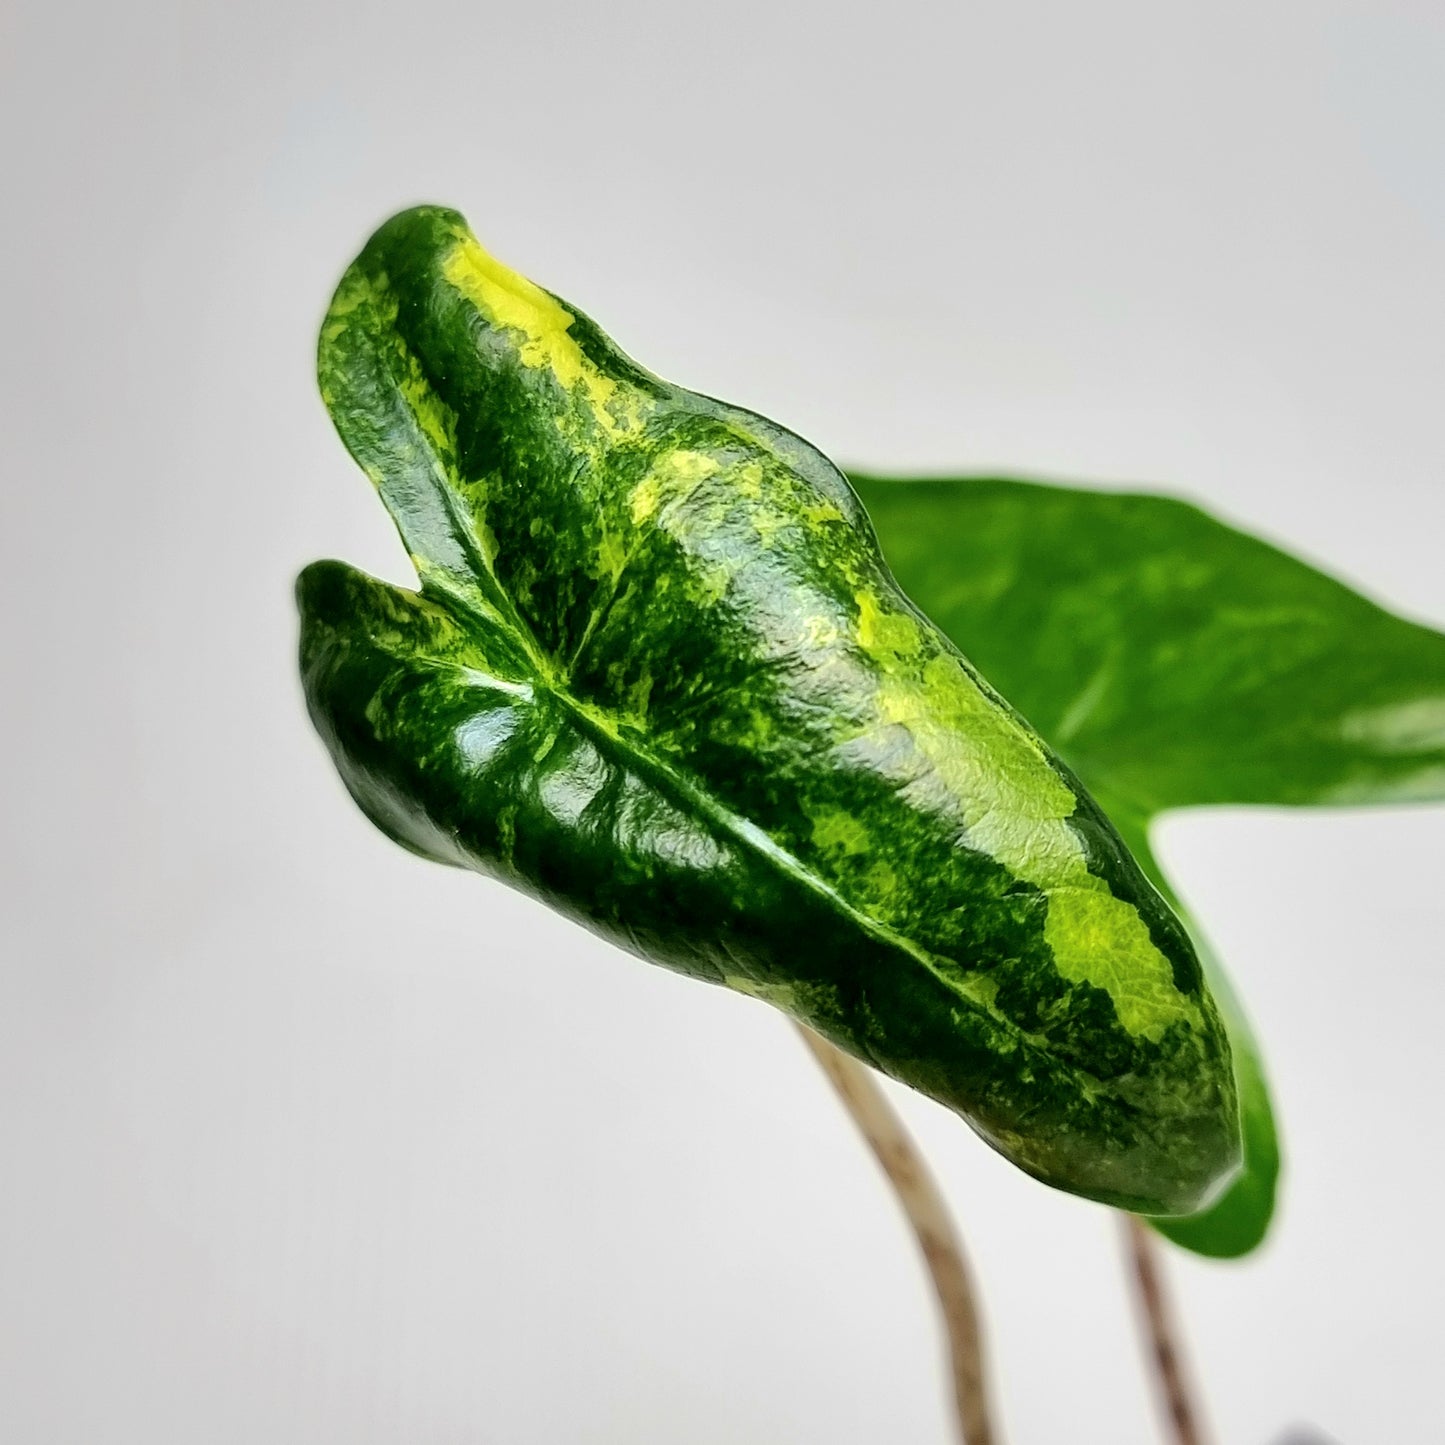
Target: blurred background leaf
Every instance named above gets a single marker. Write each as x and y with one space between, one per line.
1174 661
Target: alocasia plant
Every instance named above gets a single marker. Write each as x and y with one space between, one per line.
658 674
1175 661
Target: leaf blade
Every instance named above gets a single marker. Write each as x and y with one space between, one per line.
698 610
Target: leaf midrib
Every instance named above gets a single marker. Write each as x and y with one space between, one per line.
694 798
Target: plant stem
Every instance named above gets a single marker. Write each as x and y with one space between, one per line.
901 1161
1156 1318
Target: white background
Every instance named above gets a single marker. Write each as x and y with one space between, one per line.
305 1140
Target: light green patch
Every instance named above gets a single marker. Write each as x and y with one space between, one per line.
819 632
881 880
438 422
487 541
1417 726
645 498
885 634
356 289
611 556
780 995
839 831
758 730
768 523
682 466
822 511
711 582
674 475
748 479
989 772
1424 785
1099 939
637 697
512 302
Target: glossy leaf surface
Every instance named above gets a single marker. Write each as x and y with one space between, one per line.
1175 661
658 675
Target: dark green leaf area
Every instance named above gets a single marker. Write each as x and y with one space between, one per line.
487 771
658 675
1076 1018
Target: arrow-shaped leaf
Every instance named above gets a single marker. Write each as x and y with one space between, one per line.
658 675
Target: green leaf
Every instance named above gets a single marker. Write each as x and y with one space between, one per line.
658 675
1238 1220
1175 661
